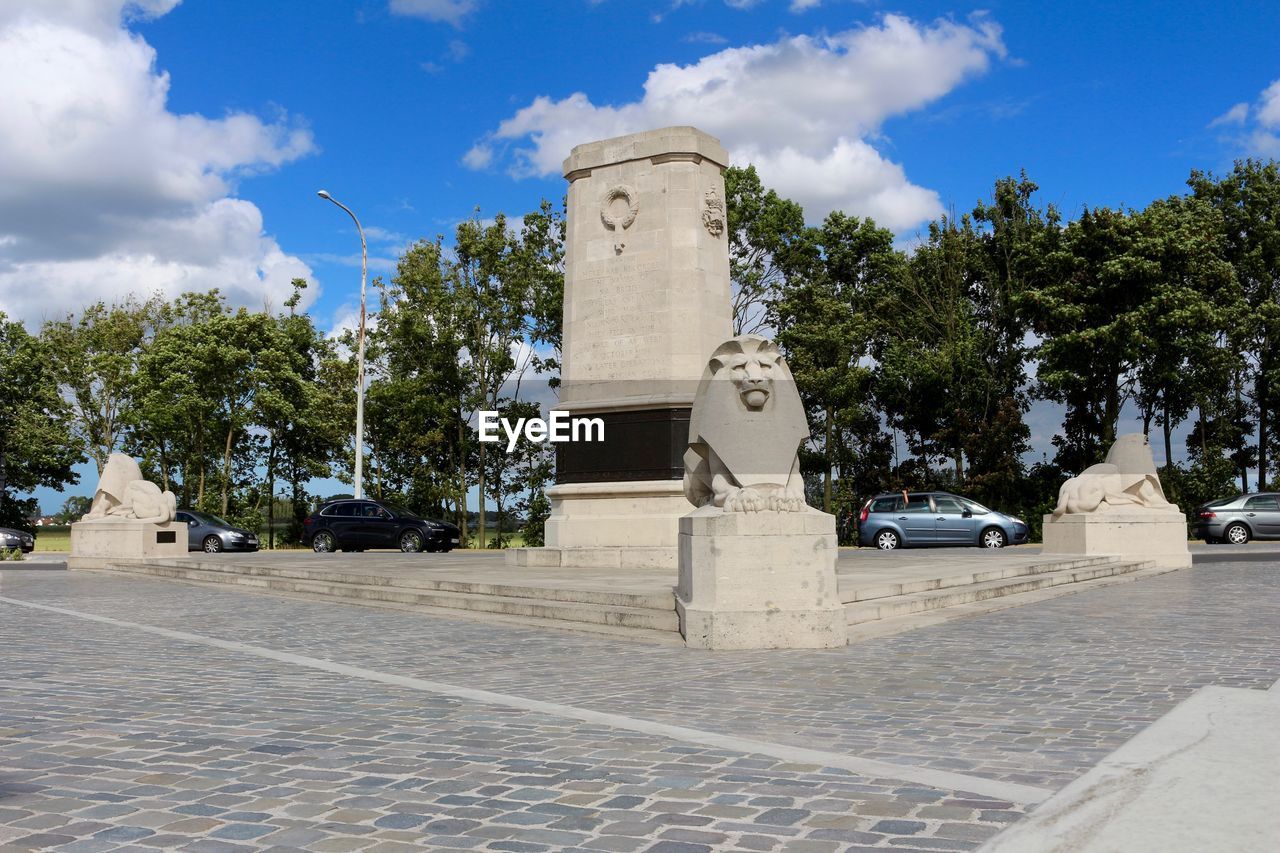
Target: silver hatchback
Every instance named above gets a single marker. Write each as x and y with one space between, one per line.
1239 519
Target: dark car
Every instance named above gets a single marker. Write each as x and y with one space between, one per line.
211 534
10 539
357 525
901 519
1239 519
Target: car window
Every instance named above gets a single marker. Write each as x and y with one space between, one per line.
373 511
975 507
183 517
1221 502
917 503
1263 502
884 504
947 504
342 510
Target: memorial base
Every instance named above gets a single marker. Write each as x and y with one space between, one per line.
623 525
1131 534
761 580
95 543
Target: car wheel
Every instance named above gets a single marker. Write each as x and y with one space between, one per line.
323 542
411 541
1237 534
887 540
993 537
212 544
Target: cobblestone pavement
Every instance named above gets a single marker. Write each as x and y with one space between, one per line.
115 737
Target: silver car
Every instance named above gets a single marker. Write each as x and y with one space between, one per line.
20 539
1239 519
211 534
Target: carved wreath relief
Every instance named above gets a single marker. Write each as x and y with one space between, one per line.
618 217
713 213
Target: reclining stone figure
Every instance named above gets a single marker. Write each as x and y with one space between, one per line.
1127 478
123 495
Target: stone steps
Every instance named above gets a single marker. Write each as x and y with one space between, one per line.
568 608
938 598
850 594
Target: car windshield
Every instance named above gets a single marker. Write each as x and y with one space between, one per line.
1222 502
205 518
400 511
974 507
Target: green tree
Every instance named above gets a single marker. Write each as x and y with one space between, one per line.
764 231
74 508
825 329
37 446
95 359
1089 320
1249 200
1187 357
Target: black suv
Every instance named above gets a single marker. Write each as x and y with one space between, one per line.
356 525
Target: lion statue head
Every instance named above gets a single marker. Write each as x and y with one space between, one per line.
745 430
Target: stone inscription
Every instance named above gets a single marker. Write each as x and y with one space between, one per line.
622 309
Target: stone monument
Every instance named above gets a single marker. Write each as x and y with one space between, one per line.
1118 507
757 564
129 517
646 300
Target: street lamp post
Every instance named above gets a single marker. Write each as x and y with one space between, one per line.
364 272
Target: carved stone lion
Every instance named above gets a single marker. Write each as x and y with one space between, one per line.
745 431
1127 478
122 494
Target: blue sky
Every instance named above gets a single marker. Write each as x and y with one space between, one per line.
163 145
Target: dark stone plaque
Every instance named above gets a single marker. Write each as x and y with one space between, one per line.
645 444
166 537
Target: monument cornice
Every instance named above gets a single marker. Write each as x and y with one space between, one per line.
666 145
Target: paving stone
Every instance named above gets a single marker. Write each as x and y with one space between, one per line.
208 740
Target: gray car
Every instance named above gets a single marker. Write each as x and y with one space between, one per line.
211 534
10 539
1239 519
902 519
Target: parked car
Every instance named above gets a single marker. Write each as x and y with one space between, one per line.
1239 519
10 539
211 534
357 525
902 519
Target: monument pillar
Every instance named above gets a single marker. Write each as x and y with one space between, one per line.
646 301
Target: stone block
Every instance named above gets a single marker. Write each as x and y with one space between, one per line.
1139 533
95 543
760 580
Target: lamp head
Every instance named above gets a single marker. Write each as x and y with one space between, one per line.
325 194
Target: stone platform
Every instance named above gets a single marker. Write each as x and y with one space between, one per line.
1202 777
882 592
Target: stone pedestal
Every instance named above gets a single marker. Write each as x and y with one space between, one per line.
1132 534
95 543
760 580
646 300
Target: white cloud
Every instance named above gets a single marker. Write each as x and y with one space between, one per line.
446 11
1235 115
1269 106
804 5
704 38
1259 126
103 191
801 109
